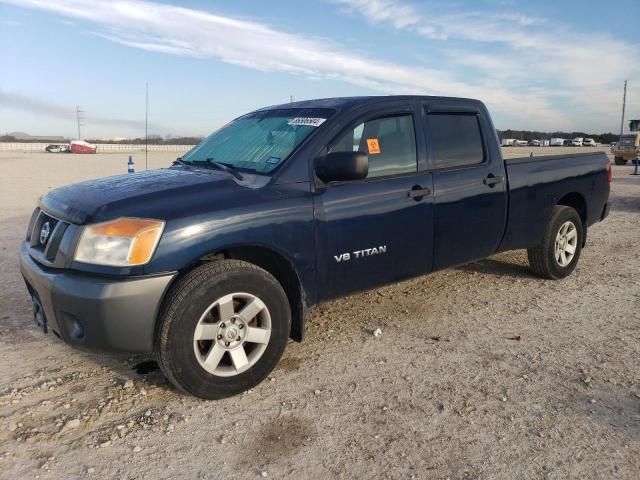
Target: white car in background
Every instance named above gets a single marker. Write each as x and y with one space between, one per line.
521 143
589 142
577 142
556 142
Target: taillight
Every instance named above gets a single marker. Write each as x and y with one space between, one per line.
609 171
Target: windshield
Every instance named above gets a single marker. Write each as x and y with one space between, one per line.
627 140
260 141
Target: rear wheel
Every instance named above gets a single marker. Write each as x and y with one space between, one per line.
558 254
620 161
223 329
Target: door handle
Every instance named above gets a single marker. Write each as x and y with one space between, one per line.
491 180
417 192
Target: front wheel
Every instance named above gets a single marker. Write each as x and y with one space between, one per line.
223 329
558 254
619 161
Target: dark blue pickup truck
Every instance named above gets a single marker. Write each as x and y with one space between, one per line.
212 264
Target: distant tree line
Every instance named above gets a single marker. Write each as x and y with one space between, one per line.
529 135
153 140
12 139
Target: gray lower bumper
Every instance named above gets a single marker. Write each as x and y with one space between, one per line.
95 312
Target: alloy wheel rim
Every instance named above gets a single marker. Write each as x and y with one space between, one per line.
566 243
232 334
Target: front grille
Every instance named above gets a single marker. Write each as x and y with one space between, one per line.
45 234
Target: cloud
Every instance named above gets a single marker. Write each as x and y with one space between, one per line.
528 40
521 53
437 26
379 11
175 30
26 103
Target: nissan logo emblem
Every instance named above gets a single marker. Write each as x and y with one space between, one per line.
45 231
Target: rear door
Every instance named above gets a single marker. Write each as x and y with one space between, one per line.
377 230
470 200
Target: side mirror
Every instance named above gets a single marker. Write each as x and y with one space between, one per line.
343 166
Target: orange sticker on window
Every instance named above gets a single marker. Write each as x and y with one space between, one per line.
373 146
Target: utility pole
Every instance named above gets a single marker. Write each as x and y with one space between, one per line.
80 118
290 98
624 101
146 126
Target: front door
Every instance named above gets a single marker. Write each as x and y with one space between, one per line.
378 230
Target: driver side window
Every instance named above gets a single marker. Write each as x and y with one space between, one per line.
390 143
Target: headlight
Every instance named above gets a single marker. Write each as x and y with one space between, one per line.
122 243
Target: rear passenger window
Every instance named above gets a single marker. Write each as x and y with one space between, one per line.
390 143
455 140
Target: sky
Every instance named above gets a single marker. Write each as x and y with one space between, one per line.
538 65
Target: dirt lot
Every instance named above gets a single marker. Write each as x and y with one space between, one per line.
483 371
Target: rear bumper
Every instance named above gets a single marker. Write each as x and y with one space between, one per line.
96 312
626 154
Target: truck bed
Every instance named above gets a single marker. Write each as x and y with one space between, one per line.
537 184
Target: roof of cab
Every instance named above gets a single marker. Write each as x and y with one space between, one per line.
341 103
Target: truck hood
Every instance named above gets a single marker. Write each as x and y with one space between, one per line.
144 194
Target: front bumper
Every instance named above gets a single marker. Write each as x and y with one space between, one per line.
96 312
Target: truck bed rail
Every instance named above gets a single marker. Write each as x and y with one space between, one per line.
550 157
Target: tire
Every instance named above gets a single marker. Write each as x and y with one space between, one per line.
543 259
620 161
217 287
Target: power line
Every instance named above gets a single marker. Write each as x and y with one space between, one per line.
146 126
624 101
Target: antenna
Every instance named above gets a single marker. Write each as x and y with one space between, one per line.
80 118
146 126
624 101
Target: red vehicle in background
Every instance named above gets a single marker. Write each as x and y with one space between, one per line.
80 146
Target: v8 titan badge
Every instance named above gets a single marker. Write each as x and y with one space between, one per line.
367 252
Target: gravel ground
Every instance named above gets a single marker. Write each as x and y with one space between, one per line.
482 371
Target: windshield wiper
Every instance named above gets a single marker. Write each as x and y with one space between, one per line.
210 163
223 166
179 161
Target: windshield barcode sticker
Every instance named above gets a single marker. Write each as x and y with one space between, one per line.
308 121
